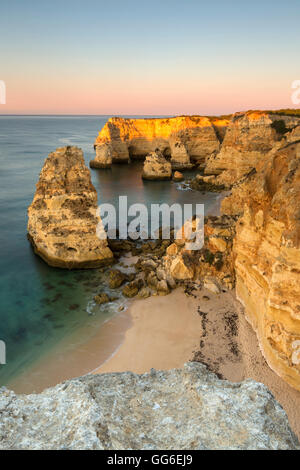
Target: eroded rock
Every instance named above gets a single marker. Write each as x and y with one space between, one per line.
187 408
267 259
62 218
156 167
183 139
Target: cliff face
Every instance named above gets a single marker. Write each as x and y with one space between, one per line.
183 139
62 217
186 408
267 258
248 139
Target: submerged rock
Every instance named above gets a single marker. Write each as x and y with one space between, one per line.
116 278
156 167
187 408
101 299
132 288
62 220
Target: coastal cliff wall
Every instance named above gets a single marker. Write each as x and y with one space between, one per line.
255 245
248 139
267 259
62 218
183 139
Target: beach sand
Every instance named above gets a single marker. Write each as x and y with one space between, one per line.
168 331
164 333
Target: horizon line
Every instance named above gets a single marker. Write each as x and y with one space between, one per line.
143 115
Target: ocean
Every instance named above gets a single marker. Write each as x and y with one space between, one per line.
41 307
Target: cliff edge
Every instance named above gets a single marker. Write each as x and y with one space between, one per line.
187 408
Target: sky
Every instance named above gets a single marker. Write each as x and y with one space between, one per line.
142 57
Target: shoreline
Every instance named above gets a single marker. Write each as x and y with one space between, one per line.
160 336
206 327
164 332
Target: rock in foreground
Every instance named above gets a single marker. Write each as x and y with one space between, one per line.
62 218
186 408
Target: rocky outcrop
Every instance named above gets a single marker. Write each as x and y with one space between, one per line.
267 258
103 157
183 139
213 260
186 408
248 139
156 167
62 218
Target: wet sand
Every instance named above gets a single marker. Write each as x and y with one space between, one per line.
74 357
164 333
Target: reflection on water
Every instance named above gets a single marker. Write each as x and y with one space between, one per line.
41 306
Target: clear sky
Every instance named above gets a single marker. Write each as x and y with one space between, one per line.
148 57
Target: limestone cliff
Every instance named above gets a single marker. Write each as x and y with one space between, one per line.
267 254
267 259
62 218
248 139
184 139
187 408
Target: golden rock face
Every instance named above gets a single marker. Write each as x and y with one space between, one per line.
182 138
62 218
248 139
267 260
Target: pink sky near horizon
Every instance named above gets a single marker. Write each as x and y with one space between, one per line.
158 97
148 58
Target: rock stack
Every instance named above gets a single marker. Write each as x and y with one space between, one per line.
62 220
156 167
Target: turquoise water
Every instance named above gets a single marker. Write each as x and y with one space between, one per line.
40 305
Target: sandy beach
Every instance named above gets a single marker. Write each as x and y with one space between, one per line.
164 332
168 331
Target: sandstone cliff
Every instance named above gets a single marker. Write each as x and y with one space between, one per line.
186 408
183 139
62 218
248 139
267 258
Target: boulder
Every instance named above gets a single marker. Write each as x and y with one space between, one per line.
180 271
101 299
116 278
177 176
